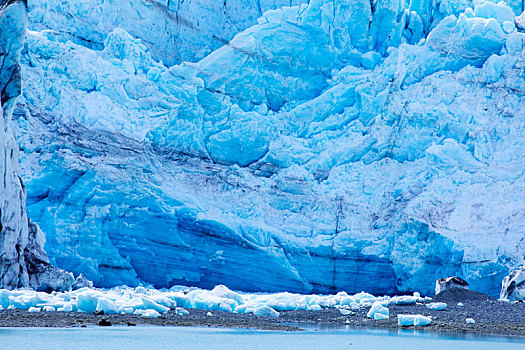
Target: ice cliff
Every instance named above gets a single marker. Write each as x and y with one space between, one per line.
334 145
23 262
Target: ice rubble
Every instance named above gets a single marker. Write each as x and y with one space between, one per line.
319 149
150 302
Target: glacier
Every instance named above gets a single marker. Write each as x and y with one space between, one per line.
329 145
23 262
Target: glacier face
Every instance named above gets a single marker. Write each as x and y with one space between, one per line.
23 262
173 30
332 146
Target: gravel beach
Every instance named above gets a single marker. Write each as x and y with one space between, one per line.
492 317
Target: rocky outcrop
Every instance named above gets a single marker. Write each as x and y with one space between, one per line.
513 286
23 262
449 283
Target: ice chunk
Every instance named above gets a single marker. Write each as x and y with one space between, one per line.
315 308
379 317
266 311
345 312
48 308
520 21
500 11
405 320
150 304
224 292
107 305
460 304
181 311
508 27
420 320
370 59
33 309
67 307
470 321
147 313
413 320
437 306
87 301
378 308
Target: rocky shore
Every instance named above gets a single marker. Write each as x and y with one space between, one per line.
491 317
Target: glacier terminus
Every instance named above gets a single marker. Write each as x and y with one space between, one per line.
302 146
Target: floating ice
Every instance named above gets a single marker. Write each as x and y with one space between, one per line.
34 309
470 321
460 304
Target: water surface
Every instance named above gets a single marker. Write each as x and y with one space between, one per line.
148 337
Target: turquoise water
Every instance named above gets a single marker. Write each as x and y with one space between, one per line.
116 338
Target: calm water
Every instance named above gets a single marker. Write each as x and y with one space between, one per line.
221 339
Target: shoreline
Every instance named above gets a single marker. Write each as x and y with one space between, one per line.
493 318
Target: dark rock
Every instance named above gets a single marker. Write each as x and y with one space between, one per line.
131 324
104 322
98 313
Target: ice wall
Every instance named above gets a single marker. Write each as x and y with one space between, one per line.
173 30
23 262
339 145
